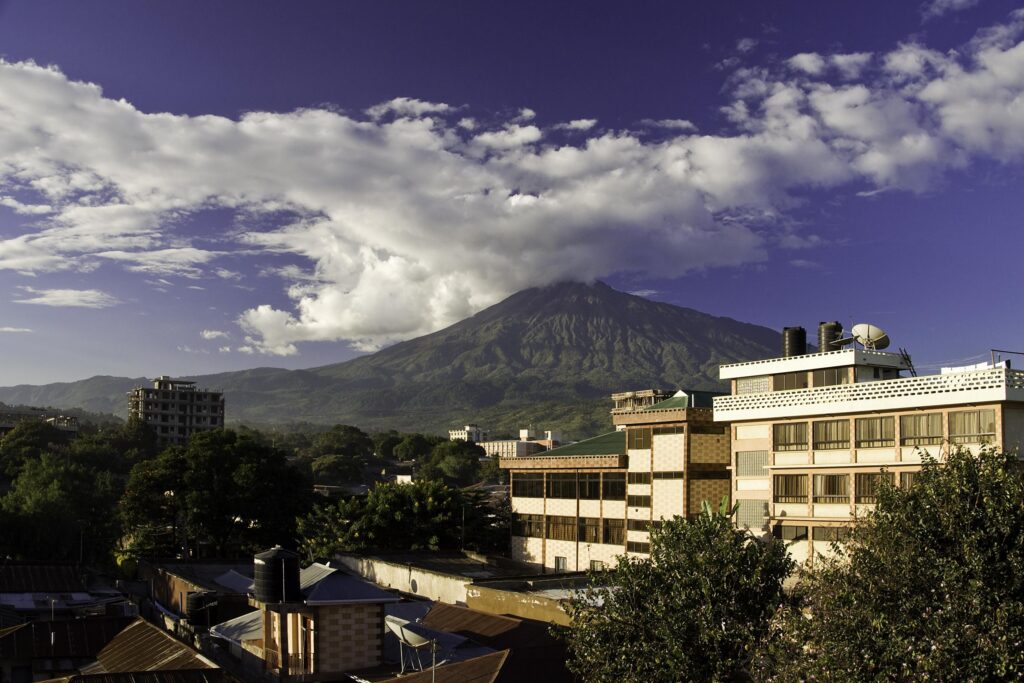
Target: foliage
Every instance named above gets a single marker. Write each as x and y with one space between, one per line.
415 446
29 440
424 515
384 443
222 493
929 587
345 440
696 611
336 470
457 463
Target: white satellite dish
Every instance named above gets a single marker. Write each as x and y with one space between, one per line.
405 634
870 337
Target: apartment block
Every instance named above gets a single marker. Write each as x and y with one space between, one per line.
814 435
176 409
580 506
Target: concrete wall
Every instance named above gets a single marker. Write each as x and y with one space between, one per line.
408 579
524 605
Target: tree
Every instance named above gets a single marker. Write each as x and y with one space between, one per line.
415 446
336 469
28 440
384 444
928 587
345 440
695 611
457 463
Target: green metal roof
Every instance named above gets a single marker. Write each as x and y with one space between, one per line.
689 399
612 443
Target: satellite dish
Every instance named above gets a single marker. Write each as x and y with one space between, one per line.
844 341
400 627
870 337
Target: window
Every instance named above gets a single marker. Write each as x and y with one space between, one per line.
830 377
674 429
638 438
876 432
752 514
596 566
831 435
613 486
907 479
639 524
669 475
754 385
561 528
562 485
590 530
590 485
638 547
972 426
751 463
867 486
790 533
921 430
790 437
614 531
527 485
789 380
790 488
561 564
831 488
638 501
638 478
834 534
528 525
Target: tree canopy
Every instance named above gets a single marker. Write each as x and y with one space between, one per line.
697 610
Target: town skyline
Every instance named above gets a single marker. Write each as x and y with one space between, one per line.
217 188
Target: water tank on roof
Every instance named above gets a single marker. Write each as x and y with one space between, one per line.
828 334
200 608
794 341
276 576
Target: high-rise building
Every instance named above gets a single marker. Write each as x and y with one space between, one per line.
176 409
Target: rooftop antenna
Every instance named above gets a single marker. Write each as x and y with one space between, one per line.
869 336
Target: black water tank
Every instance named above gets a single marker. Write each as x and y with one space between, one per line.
200 608
827 334
794 341
276 576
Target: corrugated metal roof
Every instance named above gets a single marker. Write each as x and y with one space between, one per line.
246 627
40 578
612 443
73 639
144 647
178 676
478 670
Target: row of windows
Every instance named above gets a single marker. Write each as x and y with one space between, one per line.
834 488
819 533
638 547
969 426
561 528
583 485
638 501
645 477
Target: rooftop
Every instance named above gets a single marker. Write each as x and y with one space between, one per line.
686 398
142 646
612 443
813 361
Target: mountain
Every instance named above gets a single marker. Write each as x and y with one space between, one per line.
547 355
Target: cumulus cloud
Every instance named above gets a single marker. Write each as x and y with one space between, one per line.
80 298
15 330
578 124
936 8
669 124
214 334
395 222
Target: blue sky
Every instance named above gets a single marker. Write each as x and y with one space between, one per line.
193 187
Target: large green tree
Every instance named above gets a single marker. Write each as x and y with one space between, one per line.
697 610
928 588
457 463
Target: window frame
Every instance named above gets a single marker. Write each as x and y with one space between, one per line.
828 482
886 438
830 444
869 482
971 437
792 493
781 441
923 439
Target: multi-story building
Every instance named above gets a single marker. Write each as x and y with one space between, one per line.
813 435
580 506
511 448
176 409
470 433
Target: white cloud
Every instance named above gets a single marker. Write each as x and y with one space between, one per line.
578 124
81 298
410 218
14 330
30 209
214 334
669 124
744 45
644 292
224 349
936 8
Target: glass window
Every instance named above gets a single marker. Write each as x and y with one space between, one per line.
754 385
867 486
528 525
639 524
790 488
790 533
638 547
669 475
527 485
638 438
907 479
972 426
596 566
638 501
831 488
921 430
831 435
639 478
674 429
560 563
835 534
590 530
876 432
561 485
751 463
830 377
613 486
789 380
614 531
790 437
751 514
590 485
561 528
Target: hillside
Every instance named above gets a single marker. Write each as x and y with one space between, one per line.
547 355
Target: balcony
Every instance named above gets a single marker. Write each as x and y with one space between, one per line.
981 386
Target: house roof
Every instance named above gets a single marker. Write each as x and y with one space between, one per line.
612 443
483 669
176 676
246 627
72 639
321 584
144 647
40 578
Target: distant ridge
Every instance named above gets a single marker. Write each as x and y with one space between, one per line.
546 355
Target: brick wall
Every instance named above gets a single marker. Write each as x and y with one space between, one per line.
348 637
